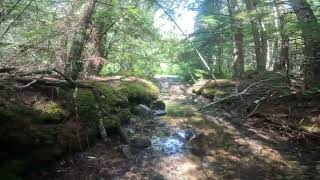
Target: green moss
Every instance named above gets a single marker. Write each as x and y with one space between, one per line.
197 121
124 115
112 97
111 122
212 92
10 111
178 110
139 92
50 111
112 103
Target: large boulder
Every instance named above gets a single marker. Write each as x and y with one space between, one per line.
139 91
142 111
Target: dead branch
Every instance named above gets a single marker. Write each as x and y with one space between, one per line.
254 110
69 80
29 84
22 74
244 92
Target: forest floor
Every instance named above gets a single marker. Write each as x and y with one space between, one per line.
219 147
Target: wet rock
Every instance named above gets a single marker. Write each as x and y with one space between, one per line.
159 113
140 143
126 151
186 134
142 111
124 134
168 145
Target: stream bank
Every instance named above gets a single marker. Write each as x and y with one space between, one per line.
216 147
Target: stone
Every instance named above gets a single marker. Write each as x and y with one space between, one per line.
159 113
185 134
140 143
126 151
143 111
158 105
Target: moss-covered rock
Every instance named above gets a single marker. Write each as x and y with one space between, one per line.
43 128
50 112
111 121
139 92
124 116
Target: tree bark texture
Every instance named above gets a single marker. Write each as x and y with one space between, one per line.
310 33
75 64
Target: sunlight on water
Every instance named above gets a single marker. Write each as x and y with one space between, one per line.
172 144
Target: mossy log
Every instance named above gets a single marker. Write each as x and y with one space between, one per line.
39 124
212 88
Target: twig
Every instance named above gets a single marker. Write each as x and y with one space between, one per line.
29 84
290 129
236 94
254 110
69 80
8 28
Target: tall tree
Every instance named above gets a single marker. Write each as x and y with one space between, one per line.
74 64
65 31
238 63
310 33
284 48
259 36
96 60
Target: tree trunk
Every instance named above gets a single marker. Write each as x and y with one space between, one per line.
75 64
310 34
65 31
274 54
284 51
264 47
220 55
259 38
96 59
238 63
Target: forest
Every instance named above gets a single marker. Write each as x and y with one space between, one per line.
159 89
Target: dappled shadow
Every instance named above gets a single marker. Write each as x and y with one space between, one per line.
237 153
221 149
